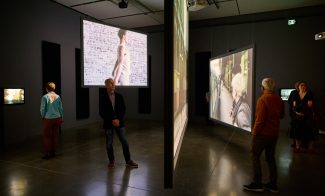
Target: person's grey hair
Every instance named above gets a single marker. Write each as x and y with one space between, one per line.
268 84
238 84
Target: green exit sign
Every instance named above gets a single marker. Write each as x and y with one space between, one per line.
291 22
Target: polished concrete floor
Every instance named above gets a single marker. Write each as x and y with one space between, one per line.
213 161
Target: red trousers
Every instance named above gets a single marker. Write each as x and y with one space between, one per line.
51 134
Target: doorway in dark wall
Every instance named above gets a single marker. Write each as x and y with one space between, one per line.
144 94
51 65
82 94
201 82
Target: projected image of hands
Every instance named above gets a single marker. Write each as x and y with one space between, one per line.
231 89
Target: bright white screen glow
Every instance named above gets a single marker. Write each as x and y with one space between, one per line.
285 93
104 47
14 96
231 89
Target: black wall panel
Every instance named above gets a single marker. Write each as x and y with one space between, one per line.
51 66
82 94
51 60
201 82
144 94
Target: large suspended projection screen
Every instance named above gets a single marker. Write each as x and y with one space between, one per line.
231 84
111 52
180 49
176 105
180 33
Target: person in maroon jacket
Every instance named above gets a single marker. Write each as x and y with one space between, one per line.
269 111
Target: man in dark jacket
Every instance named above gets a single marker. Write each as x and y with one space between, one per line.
112 110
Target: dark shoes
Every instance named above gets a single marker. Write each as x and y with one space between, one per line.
131 164
46 156
296 150
310 150
49 155
271 187
256 187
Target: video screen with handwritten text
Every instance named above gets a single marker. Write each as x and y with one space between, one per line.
111 52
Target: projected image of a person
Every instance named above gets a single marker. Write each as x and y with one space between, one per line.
241 112
8 96
122 71
216 92
21 95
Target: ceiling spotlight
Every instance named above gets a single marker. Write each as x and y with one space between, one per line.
123 4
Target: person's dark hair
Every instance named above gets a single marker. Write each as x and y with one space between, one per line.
296 85
107 80
121 32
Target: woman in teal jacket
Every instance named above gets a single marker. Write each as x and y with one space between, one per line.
52 116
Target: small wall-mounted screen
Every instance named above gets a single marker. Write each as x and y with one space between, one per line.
13 96
285 93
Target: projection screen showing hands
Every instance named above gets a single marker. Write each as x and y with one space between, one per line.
231 84
111 52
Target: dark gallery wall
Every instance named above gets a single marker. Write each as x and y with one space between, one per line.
29 23
26 25
286 53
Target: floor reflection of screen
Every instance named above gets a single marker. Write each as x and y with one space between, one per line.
110 52
14 96
231 88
